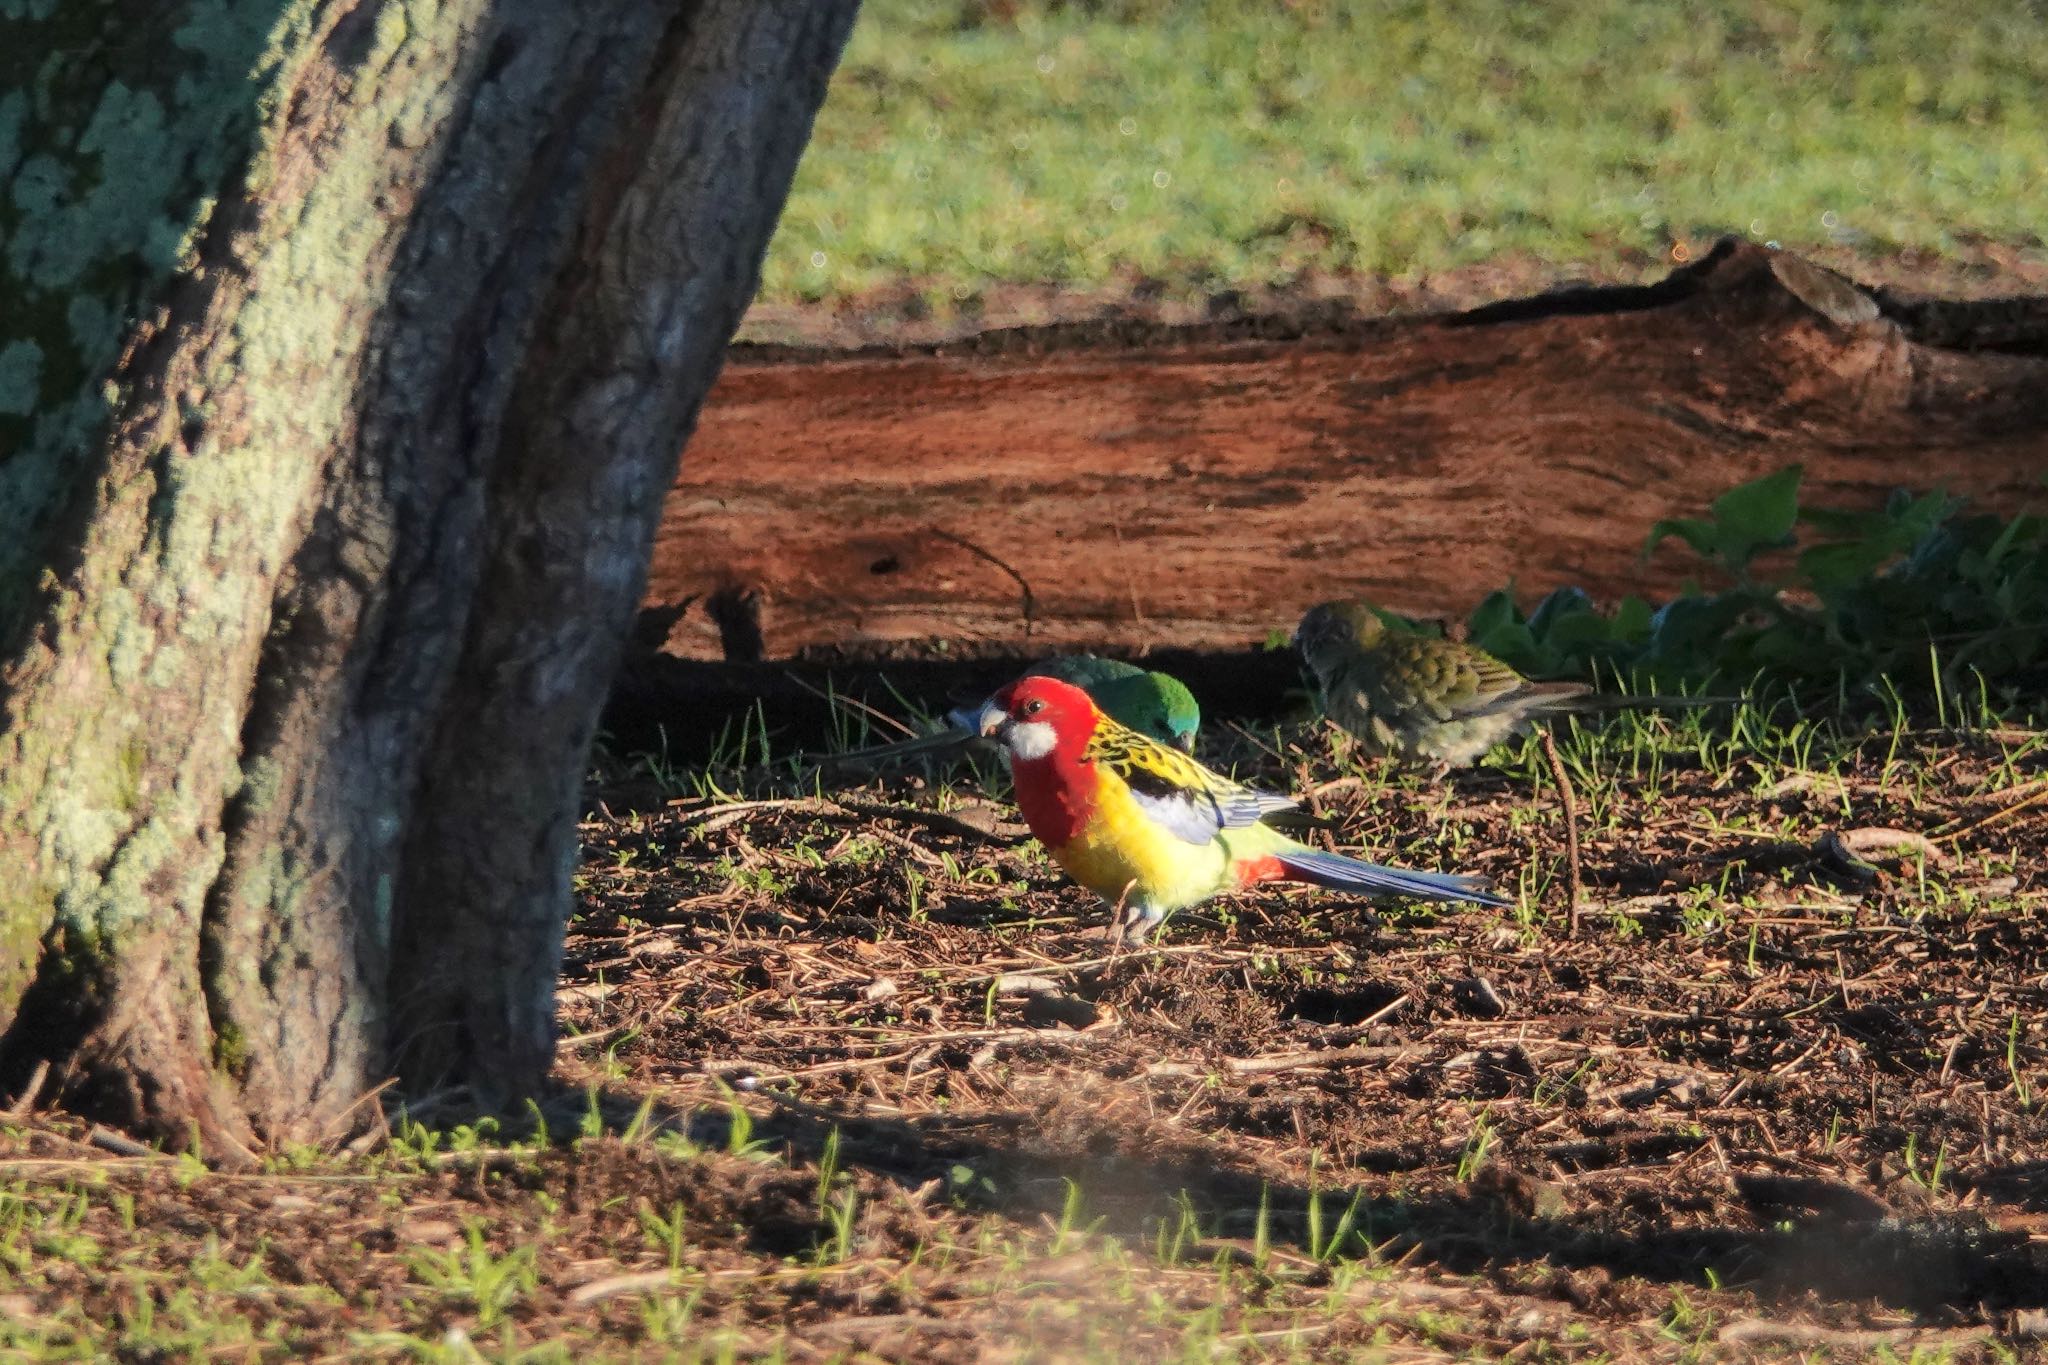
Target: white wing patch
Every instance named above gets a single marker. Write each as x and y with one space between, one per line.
1190 817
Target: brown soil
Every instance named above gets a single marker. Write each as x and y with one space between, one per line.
1764 1102
1130 485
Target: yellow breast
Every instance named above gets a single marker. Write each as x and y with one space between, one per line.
1121 855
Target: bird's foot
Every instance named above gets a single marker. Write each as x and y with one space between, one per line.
1134 925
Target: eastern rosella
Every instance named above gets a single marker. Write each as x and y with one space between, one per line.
1154 704
1149 829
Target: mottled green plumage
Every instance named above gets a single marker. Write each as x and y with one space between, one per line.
1153 704
1425 700
1422 699
1085 671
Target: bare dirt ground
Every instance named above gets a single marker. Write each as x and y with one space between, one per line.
901 1104
1730 1093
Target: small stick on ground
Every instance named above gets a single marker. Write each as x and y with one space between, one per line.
1569 799
120 1144
26 1100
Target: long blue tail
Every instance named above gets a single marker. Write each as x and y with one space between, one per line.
1340 873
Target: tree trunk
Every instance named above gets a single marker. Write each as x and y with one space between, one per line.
345 355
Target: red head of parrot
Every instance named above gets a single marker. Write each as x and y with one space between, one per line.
1045 724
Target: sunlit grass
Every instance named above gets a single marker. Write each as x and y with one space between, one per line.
1211 145
677 1282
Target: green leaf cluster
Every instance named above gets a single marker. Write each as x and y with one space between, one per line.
1921 591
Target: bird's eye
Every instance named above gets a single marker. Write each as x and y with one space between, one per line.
1032 708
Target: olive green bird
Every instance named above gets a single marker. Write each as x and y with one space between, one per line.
1154 704
1425 700
1444 703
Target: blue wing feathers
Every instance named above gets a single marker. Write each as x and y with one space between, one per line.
1335 871
1196 814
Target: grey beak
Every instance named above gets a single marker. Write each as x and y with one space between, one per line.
992 720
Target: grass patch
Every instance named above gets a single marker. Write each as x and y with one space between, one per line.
1200 145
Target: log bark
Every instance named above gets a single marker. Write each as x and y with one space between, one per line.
345 350
1127 487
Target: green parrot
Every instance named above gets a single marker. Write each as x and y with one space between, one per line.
1153 704
1431 701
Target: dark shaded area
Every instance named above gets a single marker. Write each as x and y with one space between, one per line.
680 707
737 613
1115 330
1592 300
1946 1266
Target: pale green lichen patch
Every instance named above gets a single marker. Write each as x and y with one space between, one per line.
262 782
71 218
26 909
132 769
37 191
121 129
13 110
230 1050
185 559
94 326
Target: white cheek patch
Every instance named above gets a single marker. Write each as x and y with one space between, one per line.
1031 740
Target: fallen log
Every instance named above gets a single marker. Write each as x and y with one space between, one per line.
1028 492
918 523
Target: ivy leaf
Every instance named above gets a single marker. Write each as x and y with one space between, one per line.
1835 522
1842 563
1497 627
1632 620
1494 612
1561 605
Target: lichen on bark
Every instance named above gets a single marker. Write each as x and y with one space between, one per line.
217 288
274 504
124 124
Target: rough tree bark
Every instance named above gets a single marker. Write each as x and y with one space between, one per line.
345 354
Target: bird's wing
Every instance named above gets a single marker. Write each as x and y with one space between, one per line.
1173 790
1442 678
1085 671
